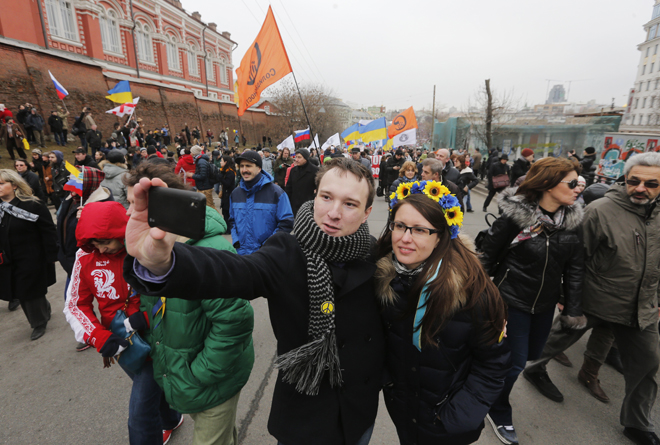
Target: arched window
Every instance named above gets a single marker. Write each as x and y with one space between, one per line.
210 71
110 32
172 54
61 19
193 66
143 37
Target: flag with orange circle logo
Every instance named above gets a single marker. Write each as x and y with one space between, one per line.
264 63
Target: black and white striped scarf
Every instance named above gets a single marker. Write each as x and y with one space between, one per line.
16 212
305 365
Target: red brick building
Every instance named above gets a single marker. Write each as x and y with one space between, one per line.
181 67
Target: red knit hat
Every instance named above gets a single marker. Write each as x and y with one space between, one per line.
527 152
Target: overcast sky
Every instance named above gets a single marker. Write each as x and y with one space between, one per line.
391 53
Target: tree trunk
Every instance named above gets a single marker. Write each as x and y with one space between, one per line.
489 116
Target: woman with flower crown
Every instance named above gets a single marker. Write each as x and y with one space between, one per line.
444 318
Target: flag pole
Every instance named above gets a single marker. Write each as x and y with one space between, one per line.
67 110
303 105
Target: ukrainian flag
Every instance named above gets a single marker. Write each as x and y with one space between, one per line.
121 93
375 130
351 133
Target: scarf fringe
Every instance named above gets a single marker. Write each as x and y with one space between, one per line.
305 365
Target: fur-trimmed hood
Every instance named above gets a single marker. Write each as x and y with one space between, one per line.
523 212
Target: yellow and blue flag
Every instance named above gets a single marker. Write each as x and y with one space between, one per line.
75 182
351 133
121 93
375 130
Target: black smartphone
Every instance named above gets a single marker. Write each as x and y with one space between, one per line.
182 212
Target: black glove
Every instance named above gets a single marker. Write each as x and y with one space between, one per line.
138 321
112 345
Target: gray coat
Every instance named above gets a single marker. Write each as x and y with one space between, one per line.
622 254
113 181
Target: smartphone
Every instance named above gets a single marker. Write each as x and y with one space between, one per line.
182 212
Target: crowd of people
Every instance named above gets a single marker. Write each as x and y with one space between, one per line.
441 324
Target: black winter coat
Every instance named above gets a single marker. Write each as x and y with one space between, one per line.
450 173
32 251
301 185
202 176
531 275
94 139
467 179
336 415
33 181
35 121
60 177
520 168
438 395
392 175
87 162
496 169
55 124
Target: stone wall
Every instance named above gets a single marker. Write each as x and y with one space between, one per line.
25 79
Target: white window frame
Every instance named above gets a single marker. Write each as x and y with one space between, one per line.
644 103
643 70
213 95
145 48
62 19
223 71
173 59
110 36
193 65
210 71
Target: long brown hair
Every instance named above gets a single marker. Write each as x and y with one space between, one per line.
461 283
545 174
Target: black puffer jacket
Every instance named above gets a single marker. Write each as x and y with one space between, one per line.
530 276
202 176
438 395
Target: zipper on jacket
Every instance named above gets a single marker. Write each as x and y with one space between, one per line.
503 278
547 251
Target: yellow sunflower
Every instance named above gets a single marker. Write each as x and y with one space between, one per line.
403 190
435 190
454 216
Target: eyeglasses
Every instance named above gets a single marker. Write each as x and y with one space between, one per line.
417 232
571 184
648 185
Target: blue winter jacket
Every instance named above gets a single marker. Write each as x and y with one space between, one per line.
257 213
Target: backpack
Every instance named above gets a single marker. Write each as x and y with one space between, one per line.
214 173
78 127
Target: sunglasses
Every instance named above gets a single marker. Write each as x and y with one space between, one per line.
571 184
636 182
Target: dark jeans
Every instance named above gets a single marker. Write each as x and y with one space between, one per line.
466 199
148 411
83 142
11 146
364 440
640 356
526 334
59 138
489 198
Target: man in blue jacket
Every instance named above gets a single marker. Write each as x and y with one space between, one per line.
258 208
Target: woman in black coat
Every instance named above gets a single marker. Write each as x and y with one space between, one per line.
467 181
28 250
302 181
23 169
445 359
228 182
532 251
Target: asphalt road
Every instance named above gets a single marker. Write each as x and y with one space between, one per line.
51 394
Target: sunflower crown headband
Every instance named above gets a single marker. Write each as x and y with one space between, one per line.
434 190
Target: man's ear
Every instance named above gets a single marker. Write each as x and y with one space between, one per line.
366 214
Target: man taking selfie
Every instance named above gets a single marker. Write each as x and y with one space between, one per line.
321 301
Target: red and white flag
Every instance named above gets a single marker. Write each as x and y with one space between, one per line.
124 109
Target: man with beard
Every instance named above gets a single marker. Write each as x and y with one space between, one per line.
622 253
258 208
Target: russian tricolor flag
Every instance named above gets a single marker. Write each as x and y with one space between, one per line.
75 182
302 135
61 91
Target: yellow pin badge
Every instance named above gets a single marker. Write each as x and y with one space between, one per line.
327 307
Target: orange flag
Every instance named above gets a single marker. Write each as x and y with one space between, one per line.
265 63
403 121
